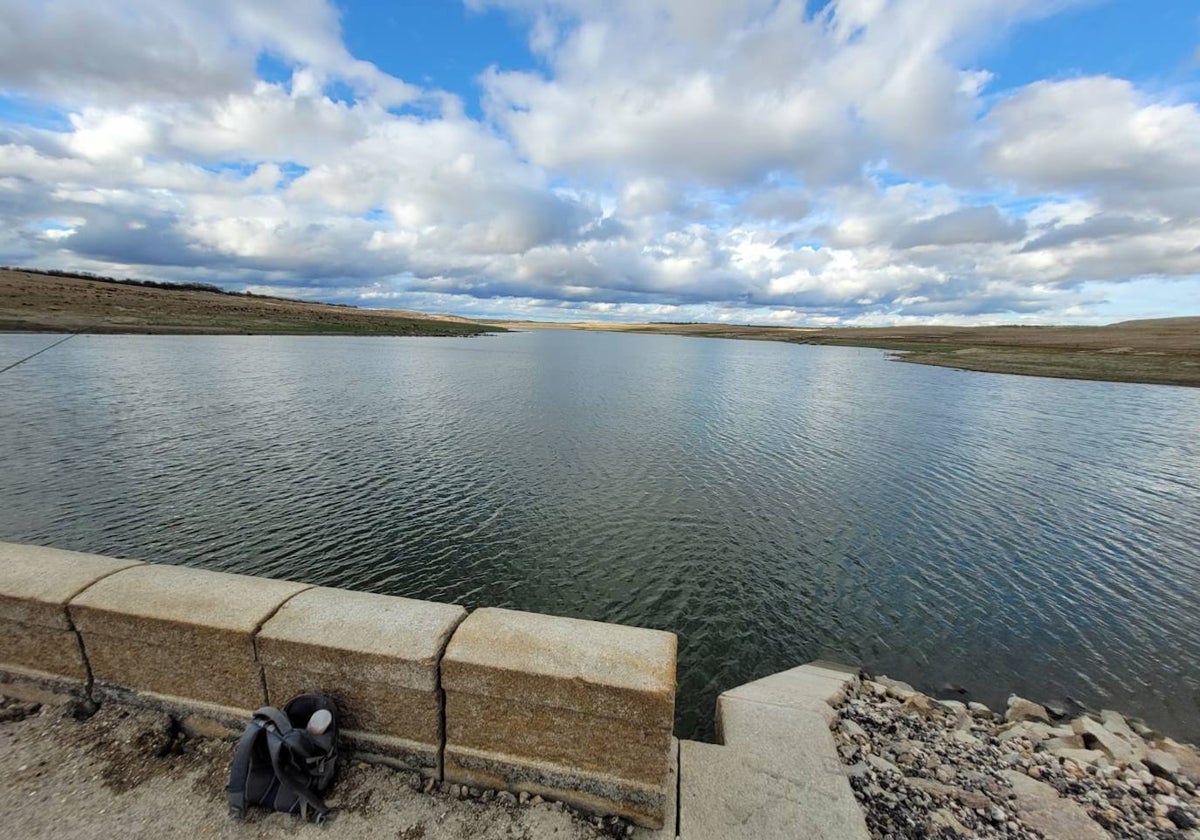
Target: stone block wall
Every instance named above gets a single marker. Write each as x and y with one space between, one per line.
574 710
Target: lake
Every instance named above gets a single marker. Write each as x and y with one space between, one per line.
770 503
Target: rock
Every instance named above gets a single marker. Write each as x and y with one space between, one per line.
1034 732
888 682
930 786
507 797
536 800
1096 736
1041 808
945 774
882 765
960 736
921 704
897 689
852 729
979 710
1163 786
944 820
1162 763
1182 819
1020 709
875 688
1080 757
1115 723
1073 742
1189 760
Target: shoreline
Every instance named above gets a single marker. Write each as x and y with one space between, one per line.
1152 352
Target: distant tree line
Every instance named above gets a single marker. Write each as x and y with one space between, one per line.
158 284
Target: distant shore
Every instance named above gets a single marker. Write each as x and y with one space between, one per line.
1162 351
32 301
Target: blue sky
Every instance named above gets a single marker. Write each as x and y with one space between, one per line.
853 161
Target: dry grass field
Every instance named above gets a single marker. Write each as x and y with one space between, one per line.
31 301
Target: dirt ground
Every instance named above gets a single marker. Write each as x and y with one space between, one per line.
125 773
30 301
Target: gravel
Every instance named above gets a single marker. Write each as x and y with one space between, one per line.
926 768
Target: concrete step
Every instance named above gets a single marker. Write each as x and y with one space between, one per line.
777 773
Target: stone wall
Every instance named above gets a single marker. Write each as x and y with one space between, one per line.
574 710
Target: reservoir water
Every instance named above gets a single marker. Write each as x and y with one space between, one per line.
770 503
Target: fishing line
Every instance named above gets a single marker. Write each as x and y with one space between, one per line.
38 353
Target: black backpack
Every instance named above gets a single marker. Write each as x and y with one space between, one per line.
280 766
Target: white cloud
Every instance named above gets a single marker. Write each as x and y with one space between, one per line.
721 160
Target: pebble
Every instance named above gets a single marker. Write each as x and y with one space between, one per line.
923 767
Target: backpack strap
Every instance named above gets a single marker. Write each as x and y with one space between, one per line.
290 780
239 770
281 721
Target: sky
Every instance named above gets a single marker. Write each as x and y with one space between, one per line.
856 162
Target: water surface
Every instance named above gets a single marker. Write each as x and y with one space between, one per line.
769 503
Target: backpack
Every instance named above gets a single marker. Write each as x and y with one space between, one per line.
280 766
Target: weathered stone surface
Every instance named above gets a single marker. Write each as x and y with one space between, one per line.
777 776
1020 709
602 794
36 583
810 687
33 650
568 709
586 666
1040 807
598 745
377 656
670 807
361 636
36 636
179 632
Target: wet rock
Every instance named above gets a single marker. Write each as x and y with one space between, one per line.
1020 709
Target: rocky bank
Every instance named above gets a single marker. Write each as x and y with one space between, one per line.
927 768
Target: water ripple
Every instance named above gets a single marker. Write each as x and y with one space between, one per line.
769 503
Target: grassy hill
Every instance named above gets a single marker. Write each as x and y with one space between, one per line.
73 303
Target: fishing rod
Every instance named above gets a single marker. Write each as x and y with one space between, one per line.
38 353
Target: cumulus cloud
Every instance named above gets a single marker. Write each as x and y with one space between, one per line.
727 160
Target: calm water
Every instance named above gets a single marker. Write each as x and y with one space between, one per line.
769 503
